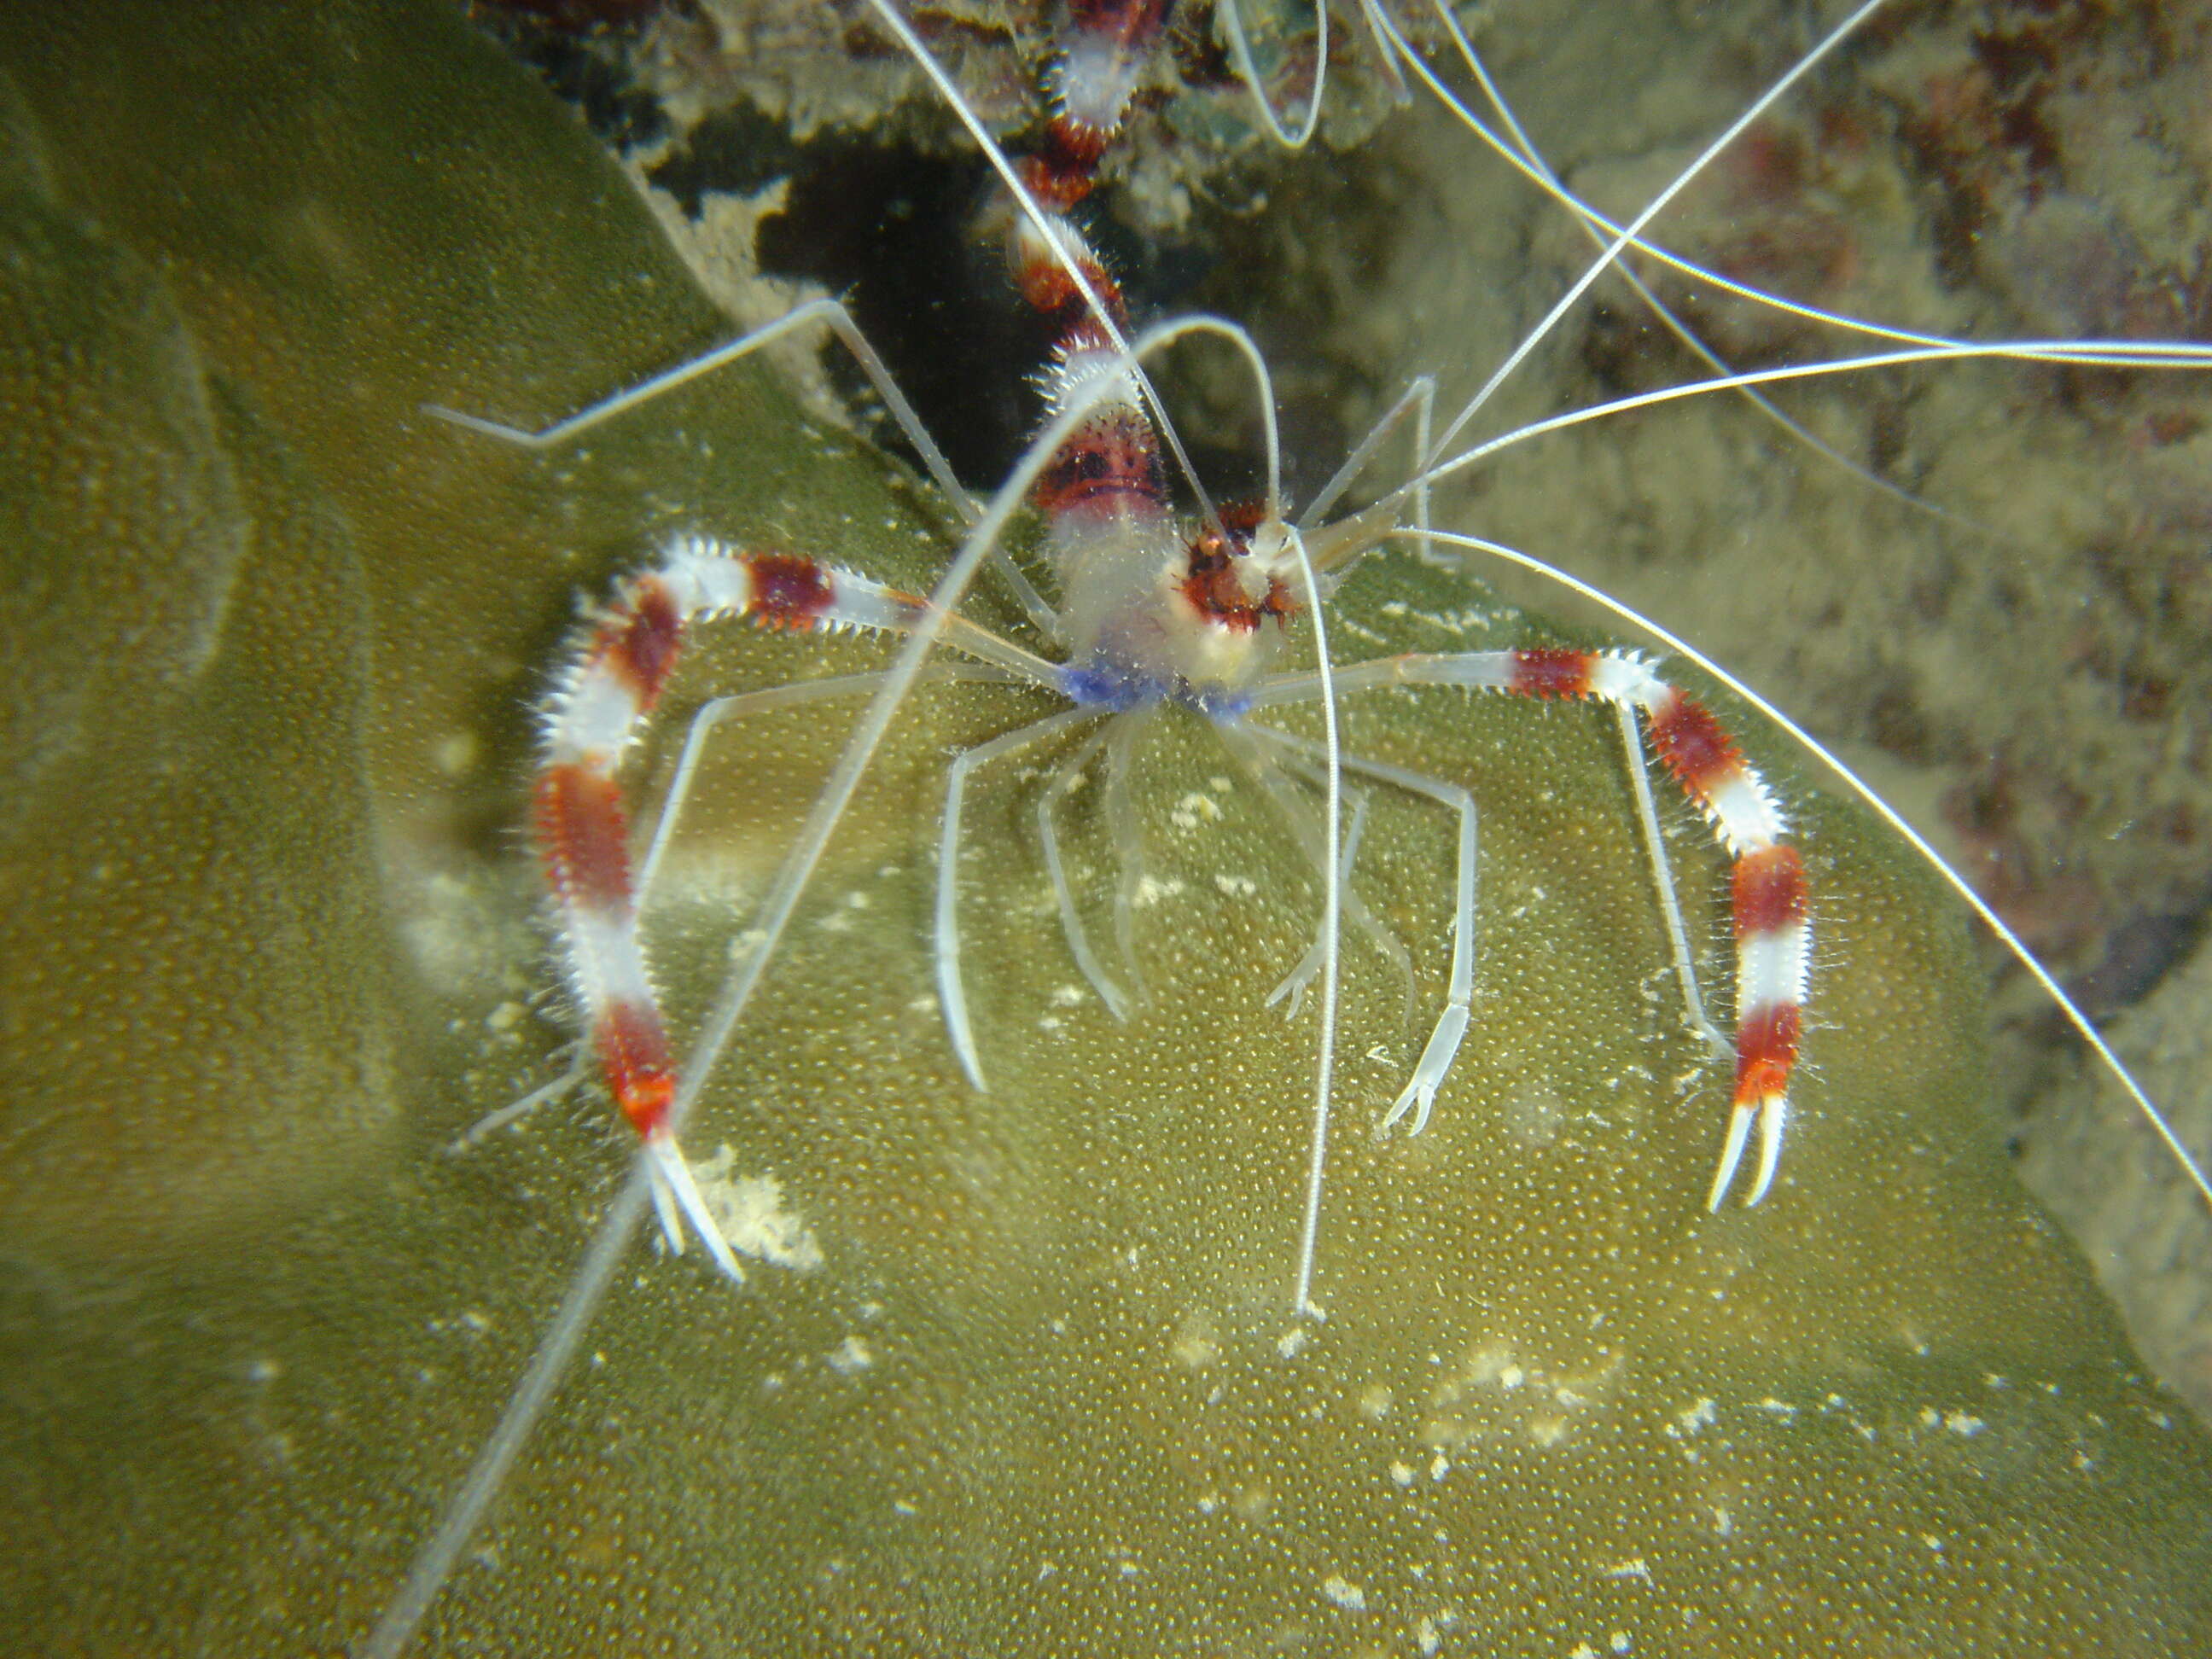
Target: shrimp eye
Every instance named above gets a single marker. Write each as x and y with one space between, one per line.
1219 590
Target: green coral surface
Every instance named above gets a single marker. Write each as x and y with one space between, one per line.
1014 1371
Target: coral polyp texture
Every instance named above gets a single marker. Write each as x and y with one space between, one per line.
1012 1371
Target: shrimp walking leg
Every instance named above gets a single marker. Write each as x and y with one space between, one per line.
1772 908
1419 1097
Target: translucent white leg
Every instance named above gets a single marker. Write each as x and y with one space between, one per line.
1128 842
1063 782
1294 983
1252 746
1420 1095
952 994
738 705
1655 843
1420 398
839 321
579 1067
711 714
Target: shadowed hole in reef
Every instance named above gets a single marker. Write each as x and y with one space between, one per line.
891 232
913 244
579 48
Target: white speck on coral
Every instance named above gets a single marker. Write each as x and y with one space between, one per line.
1401 1473
1194 1346
1068 996
851 1357
1237 886
1699 1416
1964 1422
1346 1593
749 1210
1194 808
1151 891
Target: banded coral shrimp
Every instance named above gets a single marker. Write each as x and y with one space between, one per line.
1920 177
1462 1410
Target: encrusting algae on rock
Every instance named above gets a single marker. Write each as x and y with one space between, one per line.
1016 1372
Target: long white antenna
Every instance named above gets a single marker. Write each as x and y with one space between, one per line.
1332 915
1604 262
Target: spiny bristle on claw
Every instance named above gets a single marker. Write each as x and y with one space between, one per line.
676 1198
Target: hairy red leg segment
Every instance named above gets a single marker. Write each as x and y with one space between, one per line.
612 683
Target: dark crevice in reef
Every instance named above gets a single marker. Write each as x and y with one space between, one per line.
895 235
912 243
580 50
